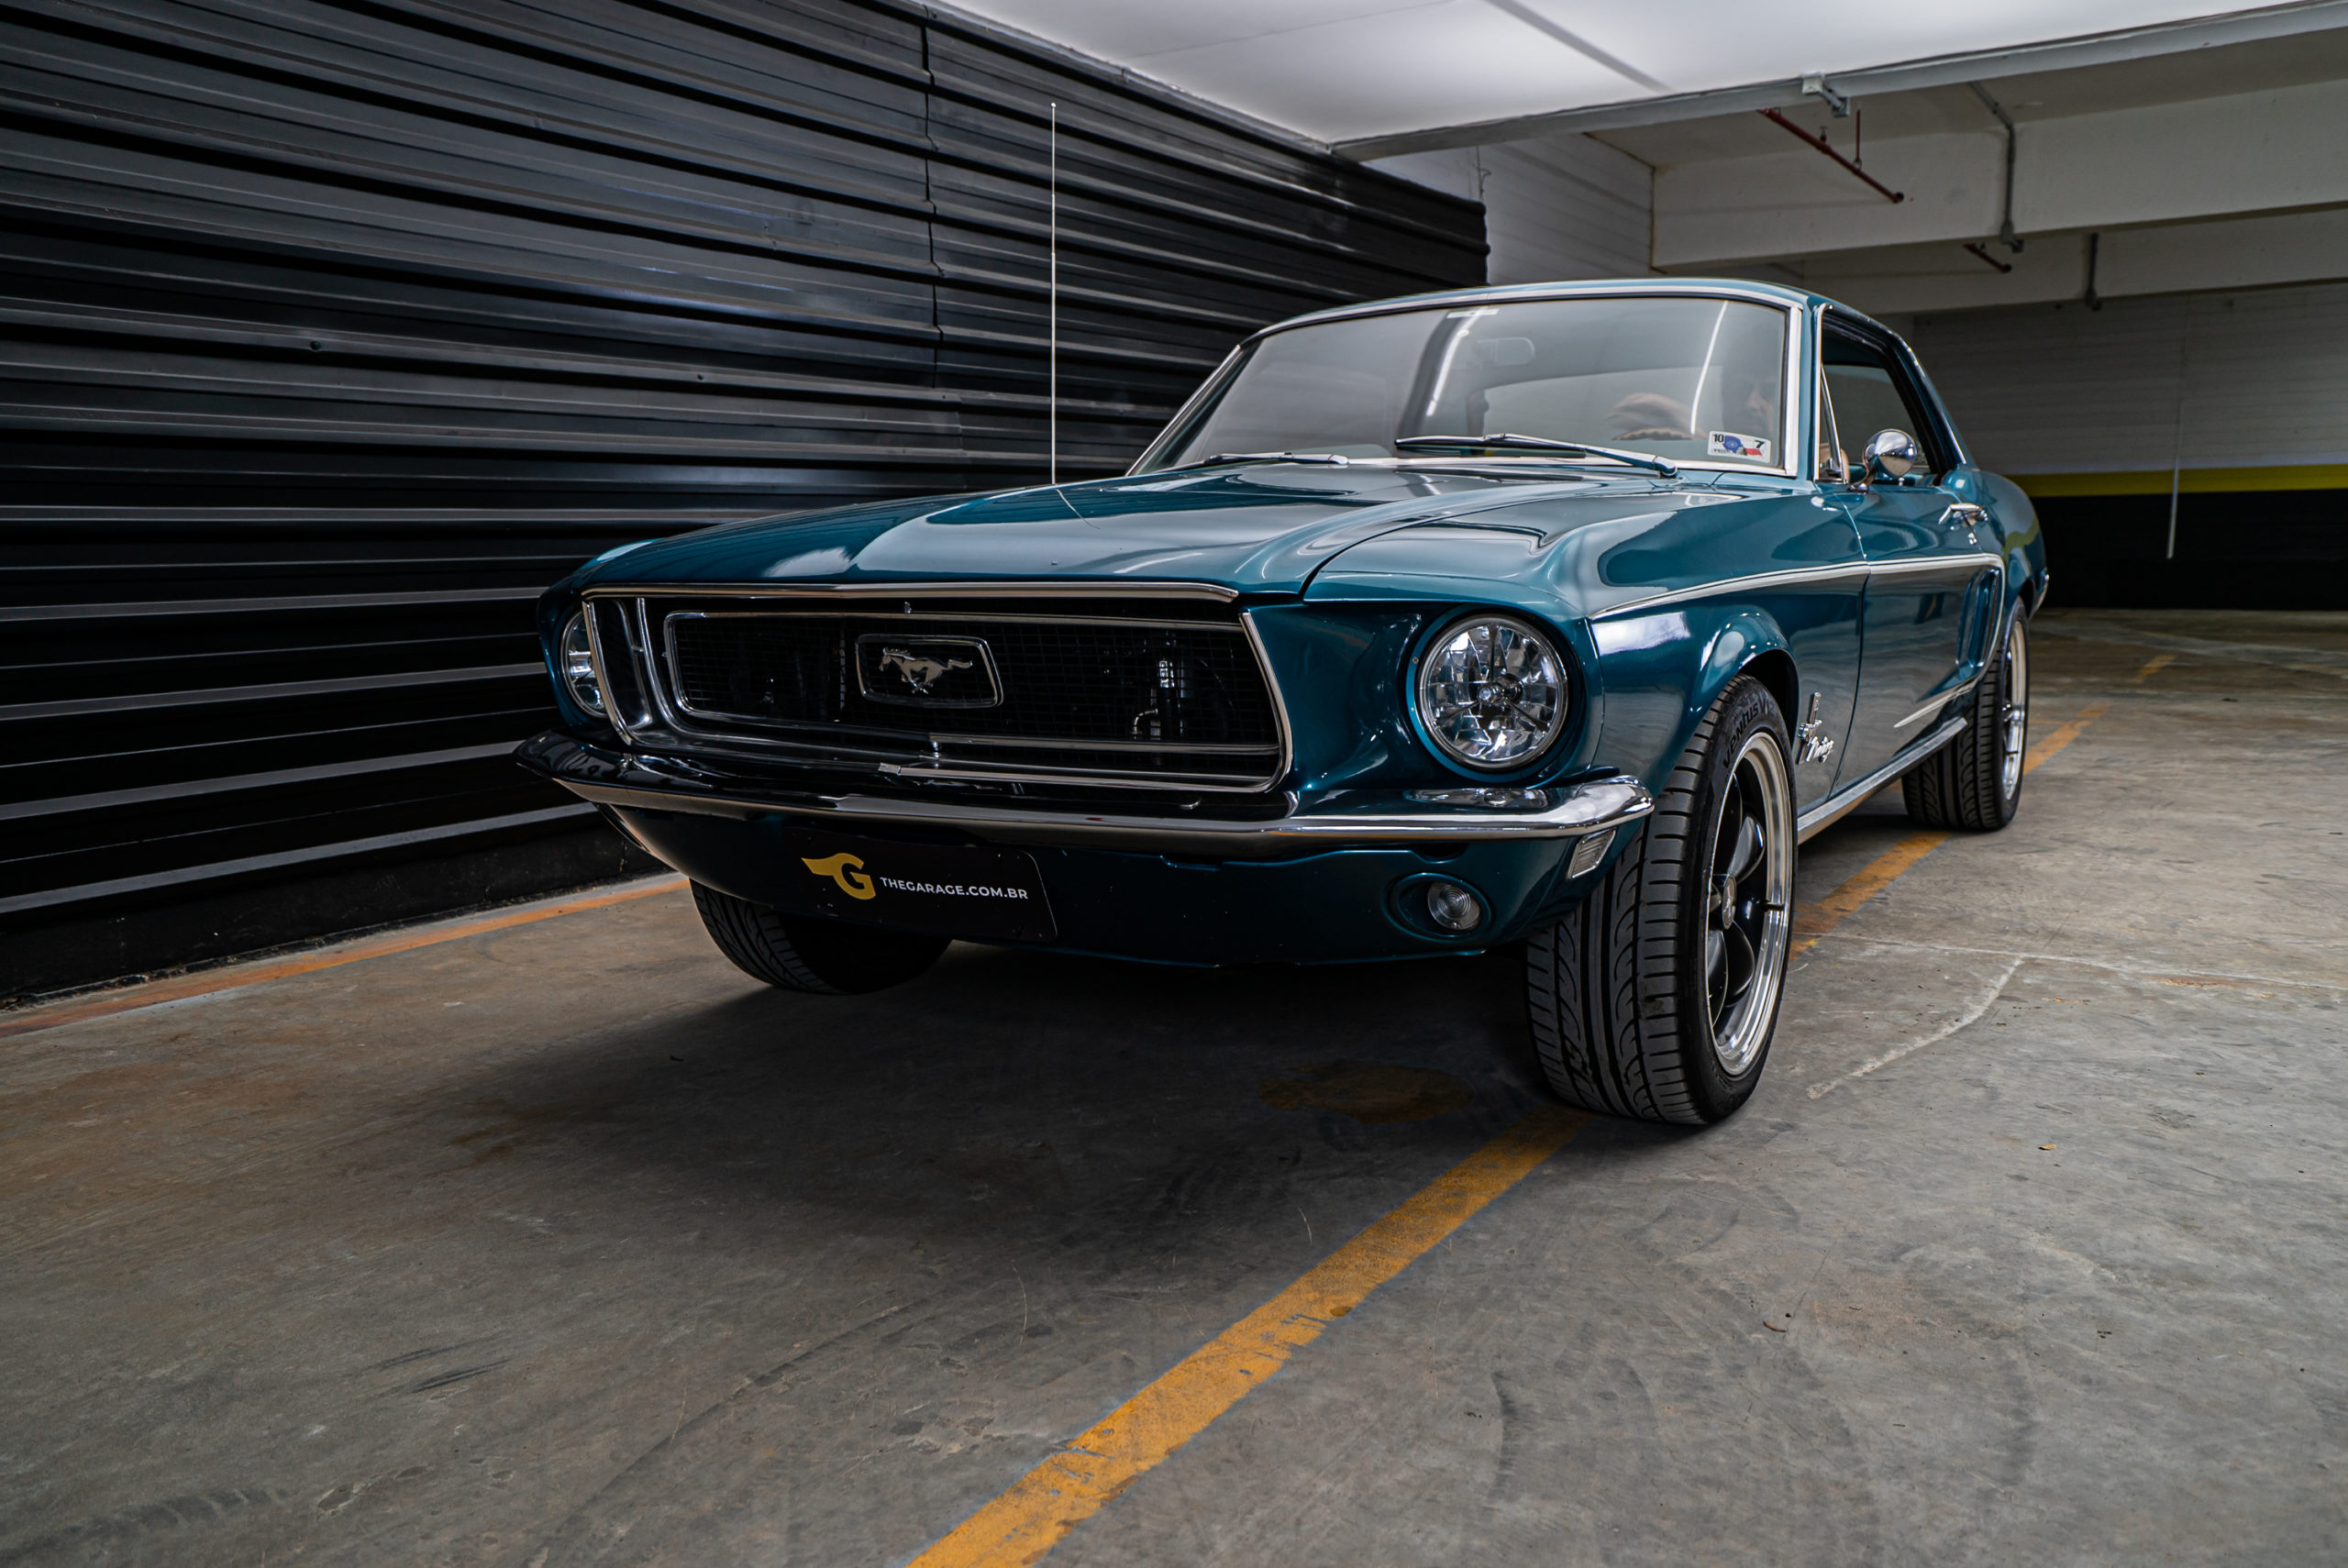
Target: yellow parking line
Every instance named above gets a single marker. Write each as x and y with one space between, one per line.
1018 1528
2068 732
1078 1481
1814 921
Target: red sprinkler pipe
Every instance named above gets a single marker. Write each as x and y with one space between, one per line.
2000 266
1820 143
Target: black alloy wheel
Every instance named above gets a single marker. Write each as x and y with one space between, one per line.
1749 900
1974 783
1657 996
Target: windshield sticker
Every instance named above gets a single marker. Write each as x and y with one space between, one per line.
1725 444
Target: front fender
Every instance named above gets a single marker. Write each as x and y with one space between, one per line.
1663 672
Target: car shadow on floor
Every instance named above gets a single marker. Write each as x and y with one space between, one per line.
1030 1091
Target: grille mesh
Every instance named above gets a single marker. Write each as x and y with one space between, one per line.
1099 699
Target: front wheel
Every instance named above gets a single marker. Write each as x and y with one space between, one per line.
1974 782
1658 997
824 957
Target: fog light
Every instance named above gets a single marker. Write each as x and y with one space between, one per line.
1453 907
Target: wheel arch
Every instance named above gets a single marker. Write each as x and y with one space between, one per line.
1747 643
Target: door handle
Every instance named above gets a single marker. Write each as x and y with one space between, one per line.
1965 514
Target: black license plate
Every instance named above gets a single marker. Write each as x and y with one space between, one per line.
949 890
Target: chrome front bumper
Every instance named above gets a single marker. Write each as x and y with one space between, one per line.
1343 819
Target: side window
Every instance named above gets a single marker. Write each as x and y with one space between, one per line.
1870 394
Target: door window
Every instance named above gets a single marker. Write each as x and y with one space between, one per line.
1868 395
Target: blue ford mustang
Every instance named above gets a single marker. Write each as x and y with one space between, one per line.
1551 616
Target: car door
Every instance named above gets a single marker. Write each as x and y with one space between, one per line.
1932 578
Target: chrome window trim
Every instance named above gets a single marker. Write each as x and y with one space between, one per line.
1514 293
1789 411
1822 415
815 751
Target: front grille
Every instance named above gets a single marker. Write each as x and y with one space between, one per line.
1050 694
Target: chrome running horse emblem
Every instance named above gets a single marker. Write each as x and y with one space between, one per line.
920 673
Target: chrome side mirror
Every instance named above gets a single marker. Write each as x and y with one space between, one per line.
1890 454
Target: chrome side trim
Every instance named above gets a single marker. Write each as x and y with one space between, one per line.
1980 560
1795 575
1841 803
1942 700
1791 576
1055 588
649 783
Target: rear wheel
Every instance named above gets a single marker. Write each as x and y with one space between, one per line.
1658 997
820 957
1974 783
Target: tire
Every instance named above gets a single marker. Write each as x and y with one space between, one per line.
1974 783
1637 1006
822 958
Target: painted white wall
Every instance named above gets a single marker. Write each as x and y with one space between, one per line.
2246 380
1554 208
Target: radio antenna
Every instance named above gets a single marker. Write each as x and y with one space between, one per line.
1053 401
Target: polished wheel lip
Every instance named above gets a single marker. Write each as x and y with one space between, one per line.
1739 1023
2013 719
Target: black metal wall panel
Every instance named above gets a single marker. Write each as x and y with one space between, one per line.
334 331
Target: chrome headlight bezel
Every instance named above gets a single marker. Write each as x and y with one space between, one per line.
1460 659
575 661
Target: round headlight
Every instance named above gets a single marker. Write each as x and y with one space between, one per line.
575 652
1492 692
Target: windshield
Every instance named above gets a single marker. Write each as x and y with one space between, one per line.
1688 379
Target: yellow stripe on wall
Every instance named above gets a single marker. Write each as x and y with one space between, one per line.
2191 482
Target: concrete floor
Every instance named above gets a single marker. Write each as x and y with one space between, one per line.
569 1244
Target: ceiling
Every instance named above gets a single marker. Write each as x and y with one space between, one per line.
1337 69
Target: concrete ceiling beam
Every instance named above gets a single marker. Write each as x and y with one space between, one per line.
2265 251
2110 48
2209 158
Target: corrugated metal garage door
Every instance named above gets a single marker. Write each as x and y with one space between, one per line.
335 331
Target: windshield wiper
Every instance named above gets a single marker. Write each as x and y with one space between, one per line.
1503 441
1331 459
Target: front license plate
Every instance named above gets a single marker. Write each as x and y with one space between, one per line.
950 890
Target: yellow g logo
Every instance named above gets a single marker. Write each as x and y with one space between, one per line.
845 869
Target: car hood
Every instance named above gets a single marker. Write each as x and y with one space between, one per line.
1263 528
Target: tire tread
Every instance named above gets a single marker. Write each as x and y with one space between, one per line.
1602 982
1958 789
